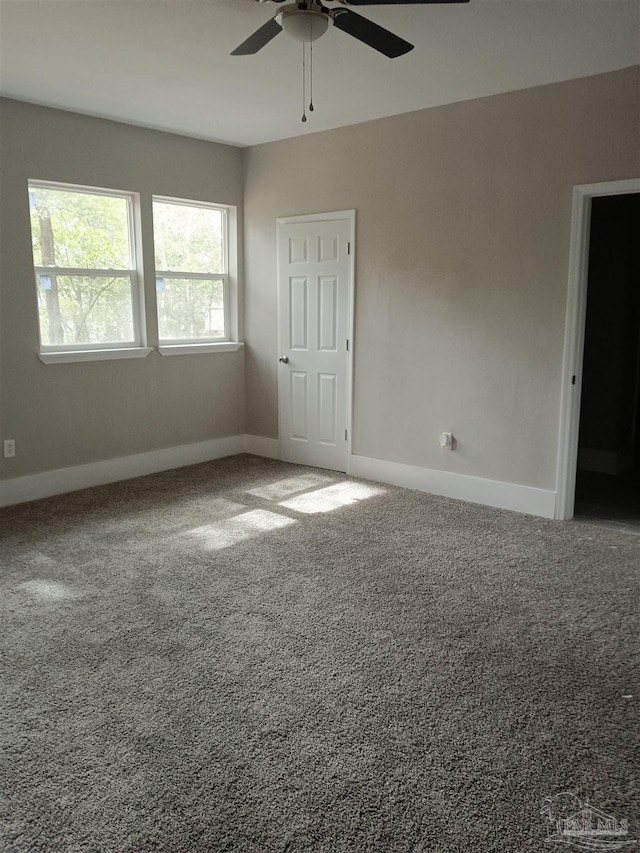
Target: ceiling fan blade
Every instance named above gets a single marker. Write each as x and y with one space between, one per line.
258 40
398 2
372 34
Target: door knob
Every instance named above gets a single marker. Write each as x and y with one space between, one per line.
284 359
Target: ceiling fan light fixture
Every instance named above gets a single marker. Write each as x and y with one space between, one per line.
303 25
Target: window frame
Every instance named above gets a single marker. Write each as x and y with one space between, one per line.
170 346
137 345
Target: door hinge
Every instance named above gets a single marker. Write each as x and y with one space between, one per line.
345 435
573 380
347 343
348 247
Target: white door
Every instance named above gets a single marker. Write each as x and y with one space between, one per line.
314 286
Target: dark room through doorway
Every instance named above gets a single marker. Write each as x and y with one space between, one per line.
608 475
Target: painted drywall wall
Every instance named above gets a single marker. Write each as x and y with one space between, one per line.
71 414
463 224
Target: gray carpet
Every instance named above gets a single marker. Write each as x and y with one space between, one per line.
251 656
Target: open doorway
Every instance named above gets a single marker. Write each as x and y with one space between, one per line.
584 197
608 463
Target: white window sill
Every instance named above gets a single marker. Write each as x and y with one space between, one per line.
93 355
194 349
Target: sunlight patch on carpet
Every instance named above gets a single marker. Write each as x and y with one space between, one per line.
289 486
333 497
46 590
245 526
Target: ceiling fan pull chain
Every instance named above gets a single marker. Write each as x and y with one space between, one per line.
304 95
311 70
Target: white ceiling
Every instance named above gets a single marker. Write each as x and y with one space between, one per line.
166 63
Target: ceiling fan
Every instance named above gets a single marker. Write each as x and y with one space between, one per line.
307 20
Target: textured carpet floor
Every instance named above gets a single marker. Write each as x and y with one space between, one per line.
251 656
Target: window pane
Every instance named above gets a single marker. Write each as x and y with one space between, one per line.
76 229
84 310
188 238
189 308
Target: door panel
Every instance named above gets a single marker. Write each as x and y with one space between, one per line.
327 408
314 284
298 250
298 313
299 407
327 248
328 313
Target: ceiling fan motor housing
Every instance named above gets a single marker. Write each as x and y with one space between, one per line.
304 22
307 20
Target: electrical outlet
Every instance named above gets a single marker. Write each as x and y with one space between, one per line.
9 448
446 440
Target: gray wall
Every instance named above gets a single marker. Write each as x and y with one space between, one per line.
68 414
463 222
463 225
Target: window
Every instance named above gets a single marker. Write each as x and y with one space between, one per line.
192 271
84 255
88 274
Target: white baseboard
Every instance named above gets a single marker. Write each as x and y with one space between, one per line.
511 496
43 485
261 446
475 489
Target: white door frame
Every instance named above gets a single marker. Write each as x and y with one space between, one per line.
350 216
575 323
